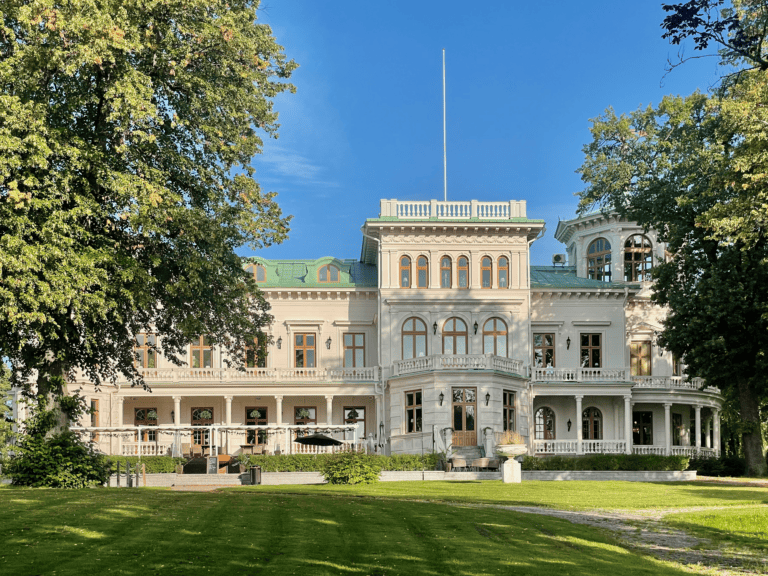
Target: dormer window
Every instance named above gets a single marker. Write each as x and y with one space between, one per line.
328 273
258 271
638 258
599 260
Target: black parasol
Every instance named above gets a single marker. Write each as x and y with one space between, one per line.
318 440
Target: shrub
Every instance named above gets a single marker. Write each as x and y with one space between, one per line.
153 464
722 466
607 462
351 468
316 462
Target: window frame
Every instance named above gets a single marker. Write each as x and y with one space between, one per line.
305 348
509 410
147 435
495 334
589 348
354 420
254 359
636 347
256 269
638 433
329 277
589 417
354 347
200 437
598 267
443 268
304 421
489 270
413 334
407 269
541 435
459 270
419 270
144 350
414 413
638 268
544 348
499 268
255 437
455 334
201 347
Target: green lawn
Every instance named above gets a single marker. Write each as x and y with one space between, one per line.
562 495
741 527
138 532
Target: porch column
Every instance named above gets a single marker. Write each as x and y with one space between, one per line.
228 421
716 418
120 401
579 431
698 428
279 410
708 433
628 424
329 410
667 429
176 410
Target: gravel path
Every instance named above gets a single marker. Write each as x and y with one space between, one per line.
644 531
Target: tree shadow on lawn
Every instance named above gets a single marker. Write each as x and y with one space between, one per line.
724 492
741 527
249 533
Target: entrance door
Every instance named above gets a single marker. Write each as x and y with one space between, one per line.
464 411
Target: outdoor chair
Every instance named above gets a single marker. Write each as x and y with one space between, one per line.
457 463
196 451
494 463
185 450
479 463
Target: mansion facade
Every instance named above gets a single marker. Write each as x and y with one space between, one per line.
442 334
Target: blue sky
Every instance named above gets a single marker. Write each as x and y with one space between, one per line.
523 81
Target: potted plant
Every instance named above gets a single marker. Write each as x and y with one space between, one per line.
511 444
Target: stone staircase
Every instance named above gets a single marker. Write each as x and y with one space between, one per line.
469 453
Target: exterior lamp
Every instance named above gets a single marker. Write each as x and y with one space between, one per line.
475 326
661 351
442 397
279 342
568 343
328 343
487 398
569 424
434 328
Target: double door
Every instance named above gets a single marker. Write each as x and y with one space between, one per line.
464 411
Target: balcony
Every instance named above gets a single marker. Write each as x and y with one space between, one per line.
459 362
592 375
426 209
260 375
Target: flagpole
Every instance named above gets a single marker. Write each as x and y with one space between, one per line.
445 160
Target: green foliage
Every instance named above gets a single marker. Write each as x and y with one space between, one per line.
6 423
352 468
608 462
152 464
126 136
317 462
733 466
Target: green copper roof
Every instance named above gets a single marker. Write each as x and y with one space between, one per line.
304 273
565 277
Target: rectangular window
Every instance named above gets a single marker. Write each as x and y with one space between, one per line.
145 356
591 351
677 429
201 417
355 415
146 417
354 350
413 411
640 358
256 355
95 418
509 411
544 350
677 366
202 353
304 415
642 428
256 416
304 350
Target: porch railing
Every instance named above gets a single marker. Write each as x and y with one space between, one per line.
649 449
555 446
181 374
458 362
603 446
425 209
667 382
146 448
580 374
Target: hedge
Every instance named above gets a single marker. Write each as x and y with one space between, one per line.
627 462
723 466
153 464
317 462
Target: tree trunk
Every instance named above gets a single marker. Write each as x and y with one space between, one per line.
751 438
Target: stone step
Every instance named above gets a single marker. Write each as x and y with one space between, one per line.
469 453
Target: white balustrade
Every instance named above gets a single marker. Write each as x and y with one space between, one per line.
423 210
459 362
580 374
648 449
146 449
181 374
684 451
667 382
603 446
555 446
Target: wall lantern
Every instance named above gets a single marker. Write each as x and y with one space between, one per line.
475 326
442 397
328 343
487 398
434 328
279 342
569 424
568 343
661 351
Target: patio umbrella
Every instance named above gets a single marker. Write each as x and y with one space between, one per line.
318 440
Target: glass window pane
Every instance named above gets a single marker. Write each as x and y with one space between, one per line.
503 279
359 339
359 360
487 344
501 345
470 417
418 399
261 274
299 358
310 339
152 340
421 345
458 420
448 345
347 339
207 359
299 340
310 359
334 274
422 278
486 278
323 275
595 358
461 345
195 358
405 278
140 339
151 363
470 394
458 394
462 278
348 357
407 347
418 419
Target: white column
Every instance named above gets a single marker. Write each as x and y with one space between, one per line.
228 421
667 429
278 410
698 428
628 424
329 410
579 431
120 401
176 410
708 433
616 425
716 418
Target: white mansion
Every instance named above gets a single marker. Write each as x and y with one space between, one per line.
442 334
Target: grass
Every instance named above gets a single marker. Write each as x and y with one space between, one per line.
740 527
561 495
135 532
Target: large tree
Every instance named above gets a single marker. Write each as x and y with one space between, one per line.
127 128
693 169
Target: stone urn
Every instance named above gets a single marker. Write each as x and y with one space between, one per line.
511 450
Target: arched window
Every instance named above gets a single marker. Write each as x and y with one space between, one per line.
454 336
544 424
463 270
258 271
405 272
503 272
328 273
495 337
486 272
422 272
638 258
592 424
414 338
445 272
599 260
